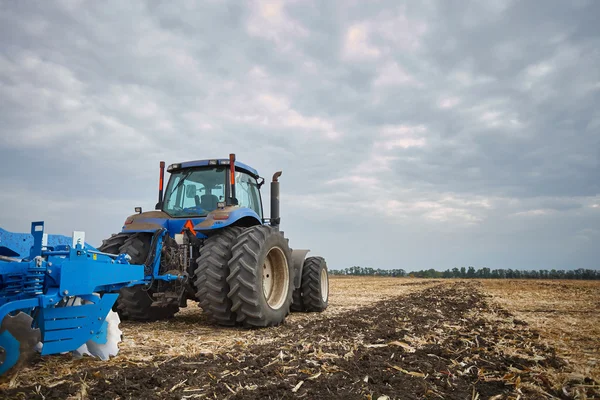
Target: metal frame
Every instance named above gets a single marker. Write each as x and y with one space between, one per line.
41 283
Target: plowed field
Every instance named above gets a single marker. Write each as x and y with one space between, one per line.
380 338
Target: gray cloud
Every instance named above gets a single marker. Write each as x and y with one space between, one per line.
410 135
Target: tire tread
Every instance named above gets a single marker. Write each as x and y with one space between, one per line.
211 274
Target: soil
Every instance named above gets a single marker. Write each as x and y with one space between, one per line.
566 312
446 341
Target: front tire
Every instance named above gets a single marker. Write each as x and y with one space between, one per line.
260 277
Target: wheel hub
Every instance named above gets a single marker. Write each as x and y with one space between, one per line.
275 274
267 278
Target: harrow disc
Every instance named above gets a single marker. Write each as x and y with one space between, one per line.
18 340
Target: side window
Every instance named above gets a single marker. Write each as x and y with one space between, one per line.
247 192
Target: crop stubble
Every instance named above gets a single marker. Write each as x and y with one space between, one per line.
567 313
402 338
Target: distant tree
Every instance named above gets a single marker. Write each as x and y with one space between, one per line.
471 272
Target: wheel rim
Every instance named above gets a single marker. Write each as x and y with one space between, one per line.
324 285
276 278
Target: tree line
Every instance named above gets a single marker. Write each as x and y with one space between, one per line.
471 272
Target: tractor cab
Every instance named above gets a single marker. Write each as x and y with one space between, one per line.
203 196
196 188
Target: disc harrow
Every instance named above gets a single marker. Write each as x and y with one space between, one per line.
58 297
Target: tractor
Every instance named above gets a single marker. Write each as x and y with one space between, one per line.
208 230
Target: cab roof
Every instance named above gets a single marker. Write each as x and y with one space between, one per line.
222 161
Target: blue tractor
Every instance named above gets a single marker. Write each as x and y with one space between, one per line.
208 230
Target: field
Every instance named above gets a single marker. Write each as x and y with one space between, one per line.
380 338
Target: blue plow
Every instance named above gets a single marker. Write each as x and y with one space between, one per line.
57 294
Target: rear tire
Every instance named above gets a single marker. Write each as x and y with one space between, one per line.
113 243
261 277
135 303
315 284
211 276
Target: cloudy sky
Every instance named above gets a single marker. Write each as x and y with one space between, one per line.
430 134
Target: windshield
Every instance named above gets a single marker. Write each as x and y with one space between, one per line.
196 192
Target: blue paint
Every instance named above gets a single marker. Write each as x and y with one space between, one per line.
234 216
47 276
67 328
172 225
176 225
18 245
11 347
202 163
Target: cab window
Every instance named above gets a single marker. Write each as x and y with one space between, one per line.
247 192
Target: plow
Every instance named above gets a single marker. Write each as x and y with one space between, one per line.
206 241
58 297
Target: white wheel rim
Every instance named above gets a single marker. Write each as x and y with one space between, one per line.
267 278
276 278
324 285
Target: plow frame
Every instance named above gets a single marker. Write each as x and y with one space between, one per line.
66 290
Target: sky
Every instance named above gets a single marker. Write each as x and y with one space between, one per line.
430 134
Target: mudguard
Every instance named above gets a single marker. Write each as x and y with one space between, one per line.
149 221
223 217
153 221
298 257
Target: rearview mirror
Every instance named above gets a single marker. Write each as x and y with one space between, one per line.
190 191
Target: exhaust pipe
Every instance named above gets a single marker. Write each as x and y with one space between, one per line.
275 218
161 180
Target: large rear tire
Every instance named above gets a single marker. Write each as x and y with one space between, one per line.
261 277
135 303
315 284
211 276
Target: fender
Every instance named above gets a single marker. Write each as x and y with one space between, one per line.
149 221
228 216
298 257
153 221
